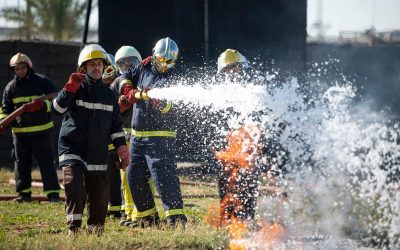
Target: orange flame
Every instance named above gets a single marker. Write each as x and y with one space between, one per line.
213 218
270 234
239 154
241 146
237 230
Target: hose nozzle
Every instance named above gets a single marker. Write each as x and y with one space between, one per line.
142 95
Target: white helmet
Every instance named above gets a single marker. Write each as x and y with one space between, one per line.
128 56
165 54
20 58
231 57
127 51
89 52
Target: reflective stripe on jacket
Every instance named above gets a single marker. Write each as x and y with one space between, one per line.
151 115
91 119
21 91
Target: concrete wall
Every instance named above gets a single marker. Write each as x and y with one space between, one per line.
56 60
268 29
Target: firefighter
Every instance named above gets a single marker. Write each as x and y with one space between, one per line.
250 152
32 131
127 57
231 61
115 200
91 117
152 144
238 176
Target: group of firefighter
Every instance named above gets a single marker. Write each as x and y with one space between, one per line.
113 135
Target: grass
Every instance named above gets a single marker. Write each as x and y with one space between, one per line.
43 226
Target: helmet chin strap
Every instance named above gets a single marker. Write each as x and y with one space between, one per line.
26 76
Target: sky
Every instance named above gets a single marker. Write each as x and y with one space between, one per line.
337 15
354 15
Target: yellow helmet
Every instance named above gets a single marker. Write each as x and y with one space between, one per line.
230 57
89 52
20 58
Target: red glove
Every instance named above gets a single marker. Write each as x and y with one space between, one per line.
74 82
129 92
146 61
34 106
123 104
123 154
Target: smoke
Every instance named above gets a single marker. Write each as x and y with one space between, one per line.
342 160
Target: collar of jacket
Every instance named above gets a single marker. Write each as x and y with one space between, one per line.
90 82
25 78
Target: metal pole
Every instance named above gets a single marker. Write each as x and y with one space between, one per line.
373 14
86 29
206 33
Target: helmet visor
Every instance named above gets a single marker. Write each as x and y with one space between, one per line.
163 64
167 61
127 62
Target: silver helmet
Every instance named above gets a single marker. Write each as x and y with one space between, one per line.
165 54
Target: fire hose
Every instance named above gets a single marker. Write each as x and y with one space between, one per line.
11 117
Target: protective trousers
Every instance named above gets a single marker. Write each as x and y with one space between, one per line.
115 201
129 206
82 188
41 147
238 192
154 157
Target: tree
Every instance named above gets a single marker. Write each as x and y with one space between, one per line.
58 20
23 17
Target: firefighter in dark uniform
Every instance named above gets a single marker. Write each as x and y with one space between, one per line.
152 145
125 57
91 117
249 153
115 200
32 131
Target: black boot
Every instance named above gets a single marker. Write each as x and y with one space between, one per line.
73 231
23 197
97 230
175 220
147 221
114 214
54 197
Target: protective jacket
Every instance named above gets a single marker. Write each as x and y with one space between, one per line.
117 86
152 148
151 115
20 91
91 117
